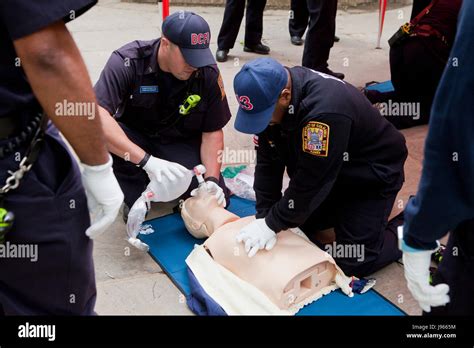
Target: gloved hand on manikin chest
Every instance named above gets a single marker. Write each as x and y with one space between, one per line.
257 236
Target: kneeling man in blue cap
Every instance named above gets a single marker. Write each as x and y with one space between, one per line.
344 160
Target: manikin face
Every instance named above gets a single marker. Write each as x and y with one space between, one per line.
202 214
175 61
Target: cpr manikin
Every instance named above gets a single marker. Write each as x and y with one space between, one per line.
294 273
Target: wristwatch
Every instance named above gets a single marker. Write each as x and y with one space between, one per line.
213 179
144 160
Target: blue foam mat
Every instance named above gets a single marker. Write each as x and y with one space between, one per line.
170 244
383 87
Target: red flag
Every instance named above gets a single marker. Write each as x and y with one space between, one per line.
382 9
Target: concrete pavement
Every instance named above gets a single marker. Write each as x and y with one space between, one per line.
129 281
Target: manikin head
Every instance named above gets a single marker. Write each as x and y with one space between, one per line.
202 215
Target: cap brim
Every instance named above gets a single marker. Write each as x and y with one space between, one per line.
253 123
198 57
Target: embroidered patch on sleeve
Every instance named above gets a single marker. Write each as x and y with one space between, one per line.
220 82
316 139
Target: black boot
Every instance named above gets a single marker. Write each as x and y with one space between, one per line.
259 49
221 55
296 40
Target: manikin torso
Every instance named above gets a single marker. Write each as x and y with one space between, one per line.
293 271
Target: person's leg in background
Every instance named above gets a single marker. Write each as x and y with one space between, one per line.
187 153
254 27
233 14
457 270
317 43
51 216
336 38
299 18
416 67
320 35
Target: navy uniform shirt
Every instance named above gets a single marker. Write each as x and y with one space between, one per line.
136 92
19 18
331 136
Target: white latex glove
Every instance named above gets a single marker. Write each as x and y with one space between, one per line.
213 189
167 190
104 196
344 283
256 236
157 168
417 273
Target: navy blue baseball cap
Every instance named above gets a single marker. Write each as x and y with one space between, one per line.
257 87
191 33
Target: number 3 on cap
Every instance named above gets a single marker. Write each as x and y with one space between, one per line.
245 103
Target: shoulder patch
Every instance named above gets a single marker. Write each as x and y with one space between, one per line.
220 82
316 139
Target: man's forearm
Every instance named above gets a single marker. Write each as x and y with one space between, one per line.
61 83
117 141
212 145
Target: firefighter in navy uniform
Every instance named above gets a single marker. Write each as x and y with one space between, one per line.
344 160
43 204
164 107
